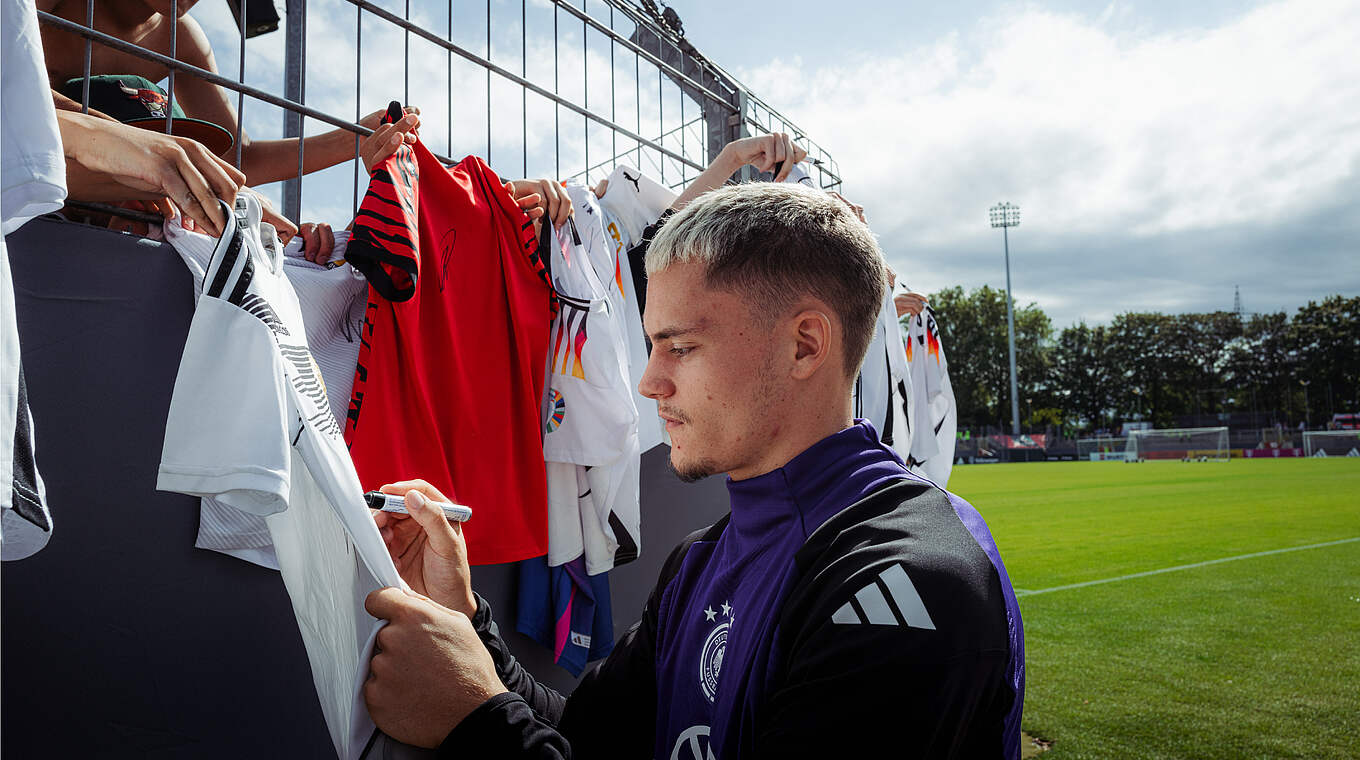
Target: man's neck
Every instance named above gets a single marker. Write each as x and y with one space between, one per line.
796 433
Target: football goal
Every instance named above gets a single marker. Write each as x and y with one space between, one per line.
1101 449
1185 444
1331 443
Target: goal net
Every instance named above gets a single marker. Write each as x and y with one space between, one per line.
1101 449
1331 443
1186 444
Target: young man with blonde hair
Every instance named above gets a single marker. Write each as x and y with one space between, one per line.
845 607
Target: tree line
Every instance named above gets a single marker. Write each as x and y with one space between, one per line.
1169 369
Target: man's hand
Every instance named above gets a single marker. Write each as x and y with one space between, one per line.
855 208
427 549
765 152
284 229
386 138
318 241
152 165
429 671
542 199
909 303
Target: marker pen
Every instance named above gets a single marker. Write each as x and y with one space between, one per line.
388 502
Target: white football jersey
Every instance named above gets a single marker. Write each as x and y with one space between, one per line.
32 183
251 425
934 416
590 421
884 381
332 301
631 202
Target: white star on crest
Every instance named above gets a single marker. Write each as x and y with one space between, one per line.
710 613
727 609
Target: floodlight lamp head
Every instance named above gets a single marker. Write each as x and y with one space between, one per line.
1005 215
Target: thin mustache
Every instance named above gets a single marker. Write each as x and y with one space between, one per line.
674 414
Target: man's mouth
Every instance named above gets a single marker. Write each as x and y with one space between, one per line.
673 419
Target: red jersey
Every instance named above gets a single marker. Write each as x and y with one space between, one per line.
450 376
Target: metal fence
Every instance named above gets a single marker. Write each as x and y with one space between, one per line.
541 88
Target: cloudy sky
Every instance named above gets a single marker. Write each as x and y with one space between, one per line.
1161 152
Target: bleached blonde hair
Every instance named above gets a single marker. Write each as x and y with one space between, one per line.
777 243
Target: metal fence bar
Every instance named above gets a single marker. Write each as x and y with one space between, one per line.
89 53
624 41
174 40
511 76
216 79
727 108
240 96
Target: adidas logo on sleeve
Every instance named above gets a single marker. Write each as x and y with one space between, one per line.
890 599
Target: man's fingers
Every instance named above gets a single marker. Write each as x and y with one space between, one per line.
223 179
441 533
784 156
200 191
601 188
565 209
415 484
550 199
387 603
799 153
327 244
530 202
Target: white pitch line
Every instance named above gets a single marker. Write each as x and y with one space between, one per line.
1193 565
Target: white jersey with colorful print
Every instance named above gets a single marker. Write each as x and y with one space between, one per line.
590 441
631 203
934 416
884 382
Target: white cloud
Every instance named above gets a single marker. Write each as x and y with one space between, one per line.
1101 135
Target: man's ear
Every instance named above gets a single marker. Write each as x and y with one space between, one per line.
813 337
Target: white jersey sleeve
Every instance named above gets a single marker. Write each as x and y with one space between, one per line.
229 431
32 164
32 182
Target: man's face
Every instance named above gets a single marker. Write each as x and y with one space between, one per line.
712 373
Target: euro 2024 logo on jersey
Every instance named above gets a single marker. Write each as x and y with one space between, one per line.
557 409
715 646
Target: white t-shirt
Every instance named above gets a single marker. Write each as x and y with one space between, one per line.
631 202
250 424
332 301
590 421
934 416
32 182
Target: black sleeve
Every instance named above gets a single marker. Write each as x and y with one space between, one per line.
898 635
637 258
504 726
884 687
611 714
544 701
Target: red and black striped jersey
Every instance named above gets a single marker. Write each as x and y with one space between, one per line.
455 340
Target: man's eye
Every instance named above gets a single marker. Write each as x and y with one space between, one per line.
680 350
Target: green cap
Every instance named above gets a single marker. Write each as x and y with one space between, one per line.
140 102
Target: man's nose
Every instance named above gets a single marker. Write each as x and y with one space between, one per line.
654 384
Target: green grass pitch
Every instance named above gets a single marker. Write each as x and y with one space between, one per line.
1257 657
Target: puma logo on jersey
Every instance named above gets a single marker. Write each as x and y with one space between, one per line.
890 599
